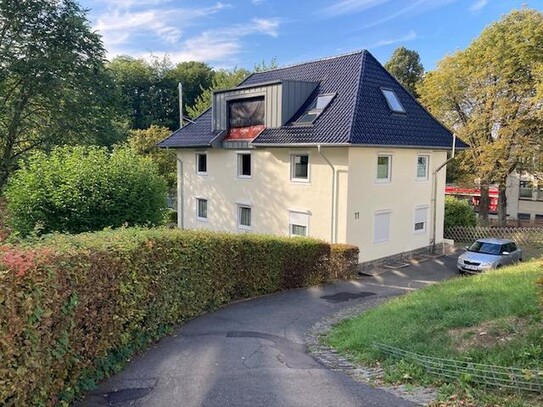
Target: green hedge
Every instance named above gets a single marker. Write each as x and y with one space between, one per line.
458 212
73 309
343 261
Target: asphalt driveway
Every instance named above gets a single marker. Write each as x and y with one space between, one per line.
252 353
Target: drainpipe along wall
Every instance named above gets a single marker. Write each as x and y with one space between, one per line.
180 206
434 195
333 220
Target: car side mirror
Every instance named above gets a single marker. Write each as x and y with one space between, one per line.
466 247
505 253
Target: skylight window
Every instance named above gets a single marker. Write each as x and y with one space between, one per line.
393 101
315 108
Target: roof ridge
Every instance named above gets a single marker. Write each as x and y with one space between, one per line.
360 51
356 97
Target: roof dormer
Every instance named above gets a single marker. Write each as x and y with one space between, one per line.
270 105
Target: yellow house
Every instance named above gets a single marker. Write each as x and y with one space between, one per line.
334 149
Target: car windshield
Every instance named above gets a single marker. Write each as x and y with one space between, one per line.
485 248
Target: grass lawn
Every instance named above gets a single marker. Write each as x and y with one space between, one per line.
493 318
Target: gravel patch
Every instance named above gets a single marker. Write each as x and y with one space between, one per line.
373 376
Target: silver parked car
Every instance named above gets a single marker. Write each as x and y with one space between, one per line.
487 254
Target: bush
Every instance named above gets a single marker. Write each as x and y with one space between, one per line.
343 261
458 212
74 308
80 189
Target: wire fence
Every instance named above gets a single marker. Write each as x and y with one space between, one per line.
475 373
523 236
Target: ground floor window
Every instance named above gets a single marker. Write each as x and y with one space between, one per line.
298 223
244 217
381 227
421 219
201 209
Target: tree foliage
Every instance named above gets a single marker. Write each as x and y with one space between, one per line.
405 66
149 90
223 79
79 189
488 95
458 212
53 86
144 143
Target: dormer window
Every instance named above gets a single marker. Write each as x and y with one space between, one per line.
392 101
246 112
315 109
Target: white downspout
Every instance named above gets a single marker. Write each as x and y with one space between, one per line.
180 205
333 220
434 196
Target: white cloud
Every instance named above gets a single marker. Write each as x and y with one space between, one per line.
257 2
349 6
478 5
410 36
221 45
120 23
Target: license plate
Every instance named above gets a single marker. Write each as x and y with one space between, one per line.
474 268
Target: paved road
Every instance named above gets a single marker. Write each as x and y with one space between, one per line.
252 353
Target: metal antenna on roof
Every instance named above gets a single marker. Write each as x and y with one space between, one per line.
180 86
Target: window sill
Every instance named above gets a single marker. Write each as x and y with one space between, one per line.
245 177
381 242
201 219
203 174
300 181
383 182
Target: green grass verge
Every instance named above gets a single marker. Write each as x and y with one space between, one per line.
493 318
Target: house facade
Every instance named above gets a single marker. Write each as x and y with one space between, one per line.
334 149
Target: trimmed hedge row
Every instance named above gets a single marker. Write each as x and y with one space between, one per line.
73 309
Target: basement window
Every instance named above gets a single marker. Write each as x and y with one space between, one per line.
393 101
315 109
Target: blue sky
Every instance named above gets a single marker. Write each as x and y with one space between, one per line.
240 33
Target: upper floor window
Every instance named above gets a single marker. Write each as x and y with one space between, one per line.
201 163
244 165
384 167
422 167
299 167
393 101
246 112
315 109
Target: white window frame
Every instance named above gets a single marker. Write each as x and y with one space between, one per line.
389 178
239 209
426 177
293 156
425 228
197 158
239 161
198 217
375 215
301 217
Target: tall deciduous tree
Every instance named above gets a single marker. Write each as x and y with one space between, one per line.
223 79
488 95
149 90
405 66
53 86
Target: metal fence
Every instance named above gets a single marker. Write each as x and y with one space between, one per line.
526 236
473 373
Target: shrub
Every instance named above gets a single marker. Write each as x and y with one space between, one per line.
343 261
74 308
458 212
79 189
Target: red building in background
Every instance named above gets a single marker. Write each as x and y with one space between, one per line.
473 196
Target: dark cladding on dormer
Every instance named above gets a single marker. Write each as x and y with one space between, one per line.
246 112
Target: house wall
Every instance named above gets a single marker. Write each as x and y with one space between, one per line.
401 196
271 194
269 191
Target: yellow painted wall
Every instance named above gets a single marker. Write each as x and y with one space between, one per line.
400 196
269 191
271 194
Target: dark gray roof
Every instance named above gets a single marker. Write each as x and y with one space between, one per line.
358 115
